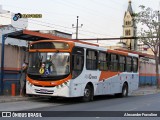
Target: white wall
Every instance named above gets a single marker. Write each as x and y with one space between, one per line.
13 57
6 18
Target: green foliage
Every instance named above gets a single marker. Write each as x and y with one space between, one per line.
147 19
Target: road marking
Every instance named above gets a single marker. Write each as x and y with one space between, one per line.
132 109
97 117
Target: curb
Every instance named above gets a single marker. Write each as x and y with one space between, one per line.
4 99
145 92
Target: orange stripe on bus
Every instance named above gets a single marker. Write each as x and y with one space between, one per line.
49 83
108 74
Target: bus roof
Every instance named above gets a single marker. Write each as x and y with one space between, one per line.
139 53
122 53
94 46
78 41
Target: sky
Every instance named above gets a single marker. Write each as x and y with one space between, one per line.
100 18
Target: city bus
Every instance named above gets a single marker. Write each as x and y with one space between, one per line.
72 68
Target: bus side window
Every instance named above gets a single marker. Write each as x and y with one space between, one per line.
135 64
114 63
108 61
103 62
122 63
91 59
128 64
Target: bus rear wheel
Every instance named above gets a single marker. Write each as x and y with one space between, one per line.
124 91
88 94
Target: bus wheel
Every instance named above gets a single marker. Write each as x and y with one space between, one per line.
88 94
125 90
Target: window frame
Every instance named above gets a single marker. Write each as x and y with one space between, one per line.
133 65
127 70
91 60
122 63
104 62
113 64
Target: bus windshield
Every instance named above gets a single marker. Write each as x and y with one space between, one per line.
48 66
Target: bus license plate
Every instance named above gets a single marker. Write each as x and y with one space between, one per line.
43 90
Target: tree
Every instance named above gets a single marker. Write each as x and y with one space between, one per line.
149 32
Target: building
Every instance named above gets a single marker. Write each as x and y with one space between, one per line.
129 28
57 33
6 18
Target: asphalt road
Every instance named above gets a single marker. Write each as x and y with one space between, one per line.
96 110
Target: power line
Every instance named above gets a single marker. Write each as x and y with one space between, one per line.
44 25
53 12
71 28
104 4
35 22
93 11
79 30
116 38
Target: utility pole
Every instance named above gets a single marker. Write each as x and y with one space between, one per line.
77 27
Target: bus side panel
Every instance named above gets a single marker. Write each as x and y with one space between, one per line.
78 84
110 85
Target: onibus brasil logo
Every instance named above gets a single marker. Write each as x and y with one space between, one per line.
19 15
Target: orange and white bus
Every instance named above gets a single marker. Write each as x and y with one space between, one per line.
79 69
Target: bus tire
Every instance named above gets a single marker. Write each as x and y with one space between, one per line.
88 94
124 91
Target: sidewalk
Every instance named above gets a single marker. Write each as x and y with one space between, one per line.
4 99
145 90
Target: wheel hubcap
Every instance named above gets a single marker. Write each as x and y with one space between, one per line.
87 92
124 92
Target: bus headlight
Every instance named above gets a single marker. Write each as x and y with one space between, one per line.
65 83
